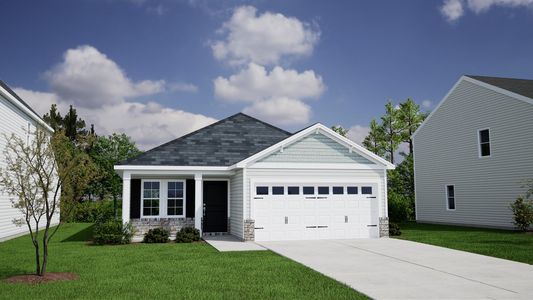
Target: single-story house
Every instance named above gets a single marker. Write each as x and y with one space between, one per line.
474 151
17 117
244 177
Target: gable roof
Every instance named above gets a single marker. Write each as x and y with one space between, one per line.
520 89
318 127
222 143
22 105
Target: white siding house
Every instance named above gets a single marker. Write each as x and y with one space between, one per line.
16 118
258 182
474 151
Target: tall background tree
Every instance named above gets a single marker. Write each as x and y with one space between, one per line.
106 152
392 128
410 117
375 140
340 130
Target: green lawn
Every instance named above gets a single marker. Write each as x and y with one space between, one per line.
161 271
505 244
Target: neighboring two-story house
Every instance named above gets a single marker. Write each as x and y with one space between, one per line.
474 151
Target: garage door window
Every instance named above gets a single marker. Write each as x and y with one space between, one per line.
323 190
261 190
338 190
293 190
278 190
366 190
351 190
309 190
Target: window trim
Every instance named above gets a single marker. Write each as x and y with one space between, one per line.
163 198
446 197
479 143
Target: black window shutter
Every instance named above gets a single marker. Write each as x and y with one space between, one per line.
135 199
189 198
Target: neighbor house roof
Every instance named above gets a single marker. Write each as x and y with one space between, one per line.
22 105
522 87
223 143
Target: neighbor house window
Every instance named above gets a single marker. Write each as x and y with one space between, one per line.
484 142
151 198
450 197
175 198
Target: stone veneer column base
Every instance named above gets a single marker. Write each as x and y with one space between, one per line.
249 230
383 227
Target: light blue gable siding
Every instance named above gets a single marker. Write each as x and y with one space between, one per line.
316 148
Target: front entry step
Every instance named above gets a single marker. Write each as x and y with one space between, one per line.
215 233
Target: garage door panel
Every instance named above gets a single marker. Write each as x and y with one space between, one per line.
309 217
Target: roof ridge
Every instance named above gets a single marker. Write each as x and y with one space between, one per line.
263 122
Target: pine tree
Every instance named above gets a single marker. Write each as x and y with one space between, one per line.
374 141
392 127
410 116
53 118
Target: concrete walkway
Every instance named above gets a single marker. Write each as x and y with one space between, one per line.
396 269
231 243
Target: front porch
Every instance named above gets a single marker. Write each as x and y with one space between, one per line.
174 200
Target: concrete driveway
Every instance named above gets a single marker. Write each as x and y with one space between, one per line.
396 269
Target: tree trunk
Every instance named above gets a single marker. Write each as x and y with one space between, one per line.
410 146
45 253
37 259
391 152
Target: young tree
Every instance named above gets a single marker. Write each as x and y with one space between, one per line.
340 130
374 141
107 152
410 116
392 126
33 176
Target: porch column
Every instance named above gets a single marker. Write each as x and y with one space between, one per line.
198 202
126 188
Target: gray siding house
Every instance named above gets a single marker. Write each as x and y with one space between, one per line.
474 151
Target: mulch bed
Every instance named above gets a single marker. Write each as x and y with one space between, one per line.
48 277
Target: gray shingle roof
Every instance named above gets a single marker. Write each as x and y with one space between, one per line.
522 87
223 143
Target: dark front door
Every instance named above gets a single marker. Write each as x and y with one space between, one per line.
215 206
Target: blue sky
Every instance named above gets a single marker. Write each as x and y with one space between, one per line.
156 69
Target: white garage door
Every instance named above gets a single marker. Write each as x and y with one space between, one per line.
315 211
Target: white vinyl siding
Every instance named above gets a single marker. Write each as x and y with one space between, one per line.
236 204
316 148
13 121
447 150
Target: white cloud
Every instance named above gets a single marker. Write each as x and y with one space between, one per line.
255 83
276 96
282 111
357 133
452 9
98 89
427 104
455 9
88 78
263 39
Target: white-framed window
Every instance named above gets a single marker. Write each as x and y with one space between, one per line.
450 197
163 198
151 197
484 142
175 198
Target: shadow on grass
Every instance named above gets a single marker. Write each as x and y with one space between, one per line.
7 271
84 235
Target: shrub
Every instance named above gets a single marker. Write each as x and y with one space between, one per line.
400 209
394 229
523 213
157 235
187 235
92 211
112 232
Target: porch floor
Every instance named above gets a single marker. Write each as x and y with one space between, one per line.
225 243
